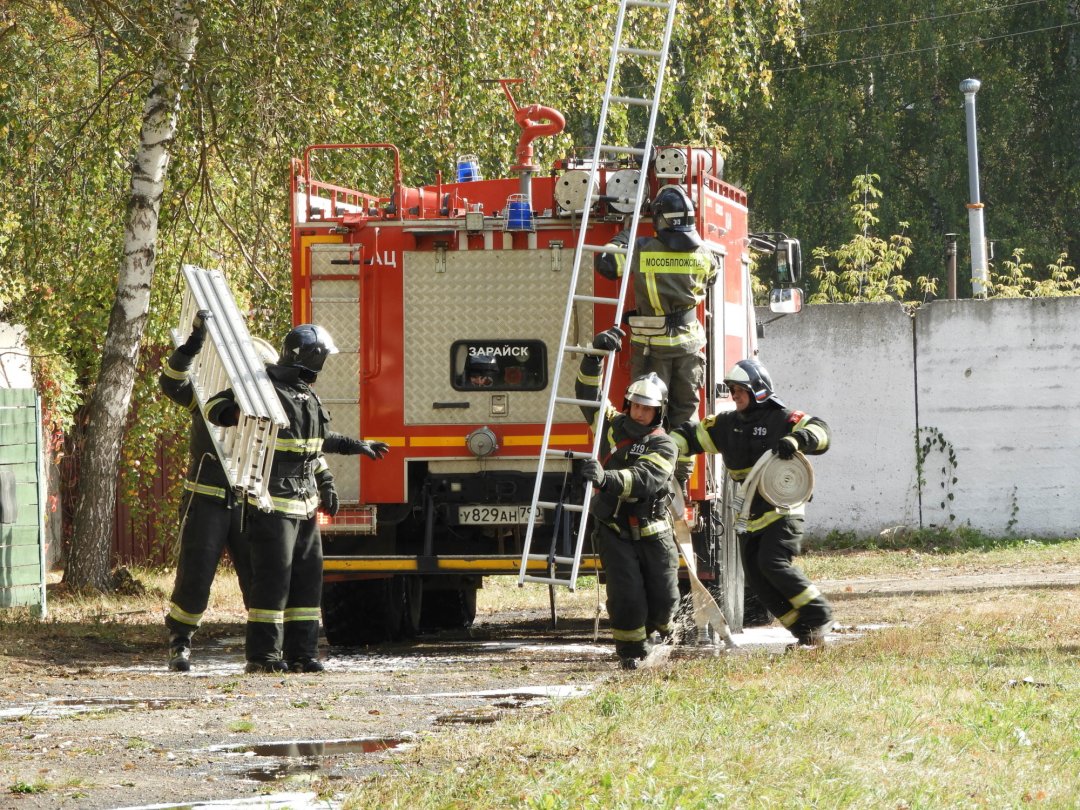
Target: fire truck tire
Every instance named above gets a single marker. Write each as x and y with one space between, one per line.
414 605
361 612
448 608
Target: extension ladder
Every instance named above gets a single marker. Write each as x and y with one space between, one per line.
231 360
657 57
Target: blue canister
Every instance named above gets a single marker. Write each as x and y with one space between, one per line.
518 213
468 168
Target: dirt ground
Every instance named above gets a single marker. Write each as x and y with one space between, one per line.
95 721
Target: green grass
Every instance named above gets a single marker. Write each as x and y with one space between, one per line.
821 563
964 700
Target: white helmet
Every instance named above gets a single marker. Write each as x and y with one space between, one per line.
648 390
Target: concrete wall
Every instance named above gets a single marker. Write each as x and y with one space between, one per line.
989 387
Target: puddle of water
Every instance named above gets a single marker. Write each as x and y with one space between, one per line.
294 757
273 801
63 707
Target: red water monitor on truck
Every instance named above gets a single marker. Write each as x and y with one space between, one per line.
447 302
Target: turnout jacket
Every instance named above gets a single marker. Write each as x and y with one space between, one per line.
299 468
205 474
668 284
638 464
742 437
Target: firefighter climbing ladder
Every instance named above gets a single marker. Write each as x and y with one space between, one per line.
231 360
638 19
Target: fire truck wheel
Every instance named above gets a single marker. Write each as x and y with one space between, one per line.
448 608
414 605
363 612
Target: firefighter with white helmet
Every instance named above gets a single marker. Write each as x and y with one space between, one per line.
672 272
632 529
762 424
286 547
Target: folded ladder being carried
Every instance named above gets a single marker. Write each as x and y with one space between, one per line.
231 360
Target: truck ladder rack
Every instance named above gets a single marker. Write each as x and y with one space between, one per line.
231 360
618 51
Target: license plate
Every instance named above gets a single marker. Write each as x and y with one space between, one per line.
486 515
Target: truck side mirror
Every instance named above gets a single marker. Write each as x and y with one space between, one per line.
788 261
786 300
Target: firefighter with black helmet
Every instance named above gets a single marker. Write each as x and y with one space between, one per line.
672 272
761 424
286 547
632 529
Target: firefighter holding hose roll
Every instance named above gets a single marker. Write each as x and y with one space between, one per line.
772 536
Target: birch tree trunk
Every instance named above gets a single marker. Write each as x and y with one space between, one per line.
88 562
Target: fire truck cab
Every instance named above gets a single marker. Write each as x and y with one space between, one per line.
447 302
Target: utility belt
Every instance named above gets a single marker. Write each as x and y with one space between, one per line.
656 325
292 469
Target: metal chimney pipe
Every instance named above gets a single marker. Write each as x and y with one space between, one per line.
980 275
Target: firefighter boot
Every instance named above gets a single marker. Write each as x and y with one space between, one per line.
277 665
306 665
180 652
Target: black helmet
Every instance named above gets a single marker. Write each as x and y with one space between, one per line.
673 220
648 390
307 346
672 210
754 377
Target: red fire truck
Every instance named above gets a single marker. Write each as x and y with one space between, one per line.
414 284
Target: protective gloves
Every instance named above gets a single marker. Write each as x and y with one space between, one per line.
610 340
328 498
787 447
592 471
375 450
193 345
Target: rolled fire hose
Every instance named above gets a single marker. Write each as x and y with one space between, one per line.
785 483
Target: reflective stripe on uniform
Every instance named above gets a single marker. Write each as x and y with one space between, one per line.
656 527
320 465
806 597
757 524
304 446
589 379
176 613
658 460
739 475
788 618
266 616
637 634
701 433
174 373
290 506
205 489
627 482
302 614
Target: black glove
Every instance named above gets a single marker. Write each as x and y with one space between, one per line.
193 345
787 447
375 450
609 340
328 499
592 471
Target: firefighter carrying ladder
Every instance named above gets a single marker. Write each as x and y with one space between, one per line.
231 360
640 16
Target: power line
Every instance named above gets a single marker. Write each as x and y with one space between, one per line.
811 35
976 41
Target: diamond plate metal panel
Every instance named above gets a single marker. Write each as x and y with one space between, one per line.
485 295
336 306
346 469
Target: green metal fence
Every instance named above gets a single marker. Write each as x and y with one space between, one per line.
22 517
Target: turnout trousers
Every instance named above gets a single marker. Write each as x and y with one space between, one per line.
782 587
287 571
642 587
209 525
684 374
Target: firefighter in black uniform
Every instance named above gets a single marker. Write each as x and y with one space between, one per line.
761 424
631 528
671 274
286 547
211 518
